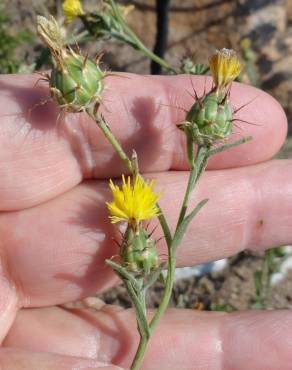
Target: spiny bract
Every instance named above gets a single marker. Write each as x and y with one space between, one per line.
138 252
77 82
210 120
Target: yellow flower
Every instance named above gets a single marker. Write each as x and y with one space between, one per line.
133 203
225 67
72 9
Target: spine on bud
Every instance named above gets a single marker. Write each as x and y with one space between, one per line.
138 252
210 118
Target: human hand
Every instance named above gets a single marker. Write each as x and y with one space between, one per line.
55 233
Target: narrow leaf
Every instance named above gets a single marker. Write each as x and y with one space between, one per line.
185 223
231 145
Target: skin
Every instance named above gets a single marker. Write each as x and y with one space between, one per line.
55 233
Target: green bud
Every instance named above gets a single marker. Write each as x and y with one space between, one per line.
138 252
209 120
77 82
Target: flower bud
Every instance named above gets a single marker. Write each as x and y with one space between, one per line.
77 82
138 252
209 120
225 67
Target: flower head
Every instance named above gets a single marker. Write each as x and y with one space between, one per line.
133 202
225 67
72 9
51 33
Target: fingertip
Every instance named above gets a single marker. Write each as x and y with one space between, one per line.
259 115
256 114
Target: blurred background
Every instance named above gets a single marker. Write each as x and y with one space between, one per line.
261 32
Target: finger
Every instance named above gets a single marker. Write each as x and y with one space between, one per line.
42 159
8 300
15 359
185 339
62 256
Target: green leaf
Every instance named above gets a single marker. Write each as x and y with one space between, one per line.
185 223
123 273
154 276
258 282
231 145
135 293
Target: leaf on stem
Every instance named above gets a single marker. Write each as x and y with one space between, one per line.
231 145
185 223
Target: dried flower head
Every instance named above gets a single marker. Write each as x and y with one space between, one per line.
51 34
225 67
72 9
133 202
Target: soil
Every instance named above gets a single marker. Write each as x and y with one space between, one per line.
231 290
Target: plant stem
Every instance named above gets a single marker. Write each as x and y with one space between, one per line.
165 227
197 168
137 362
136 294
137 42
156 58
167 290
124 33
138 299
91 111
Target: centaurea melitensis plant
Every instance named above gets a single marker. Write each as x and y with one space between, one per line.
77 83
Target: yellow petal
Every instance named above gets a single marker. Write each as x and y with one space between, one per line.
72 9
225 67
133 202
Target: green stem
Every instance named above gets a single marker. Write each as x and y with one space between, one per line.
197 168
137 362
114 142
167 290
155 57
111 138
138 301
139 44
132 165
137 295
126 34
199 165
165 227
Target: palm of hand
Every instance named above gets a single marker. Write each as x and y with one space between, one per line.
55 235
